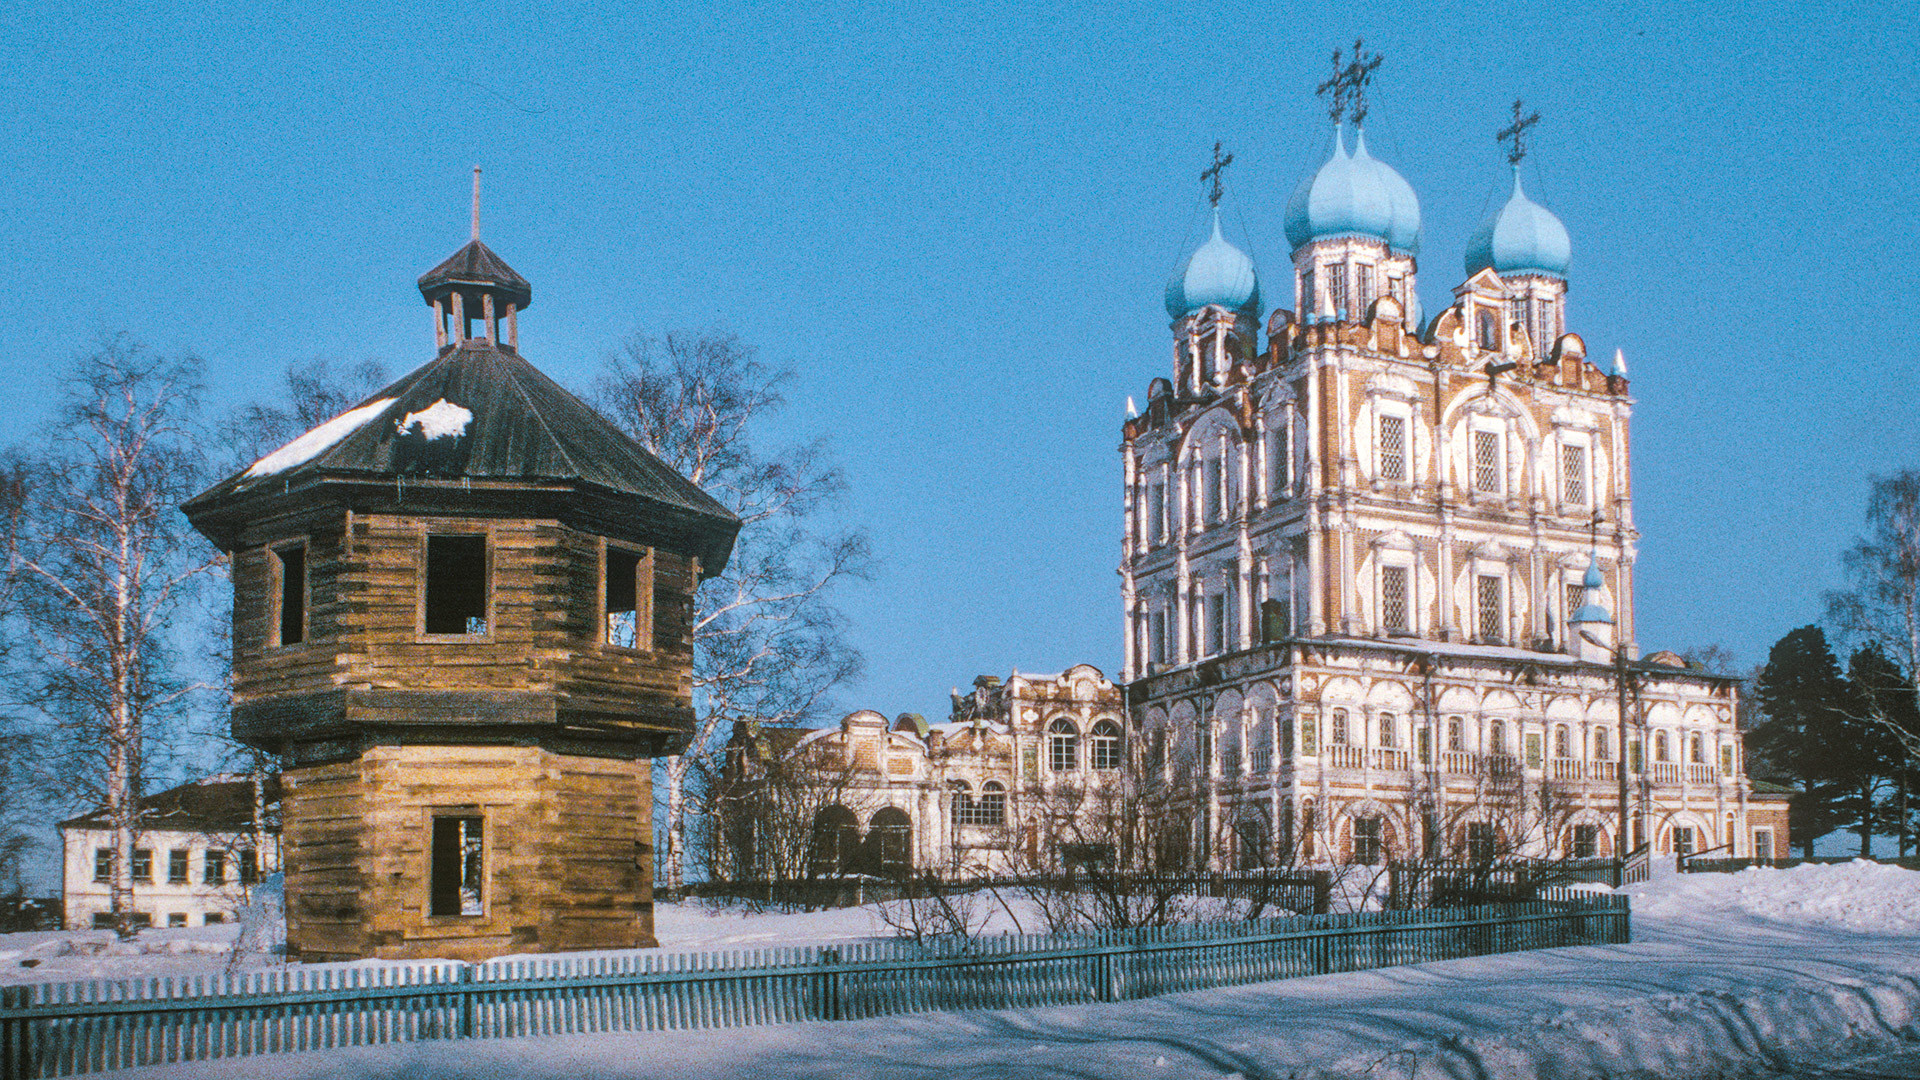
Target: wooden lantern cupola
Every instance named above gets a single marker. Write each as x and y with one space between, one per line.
463 621
474 292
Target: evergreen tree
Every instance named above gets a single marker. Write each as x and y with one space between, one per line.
1801 735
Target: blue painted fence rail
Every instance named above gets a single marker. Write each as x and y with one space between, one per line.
60 1029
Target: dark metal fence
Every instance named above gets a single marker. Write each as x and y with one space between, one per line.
63 1029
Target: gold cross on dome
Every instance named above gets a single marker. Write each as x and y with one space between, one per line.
1213 173
1517 132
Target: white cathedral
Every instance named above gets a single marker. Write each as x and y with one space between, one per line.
1377 578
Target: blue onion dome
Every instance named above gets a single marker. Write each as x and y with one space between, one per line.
1591 611
1522 238
1345 197
1216 273
1403 229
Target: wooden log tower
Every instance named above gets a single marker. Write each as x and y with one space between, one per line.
462 620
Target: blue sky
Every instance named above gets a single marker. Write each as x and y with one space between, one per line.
956 224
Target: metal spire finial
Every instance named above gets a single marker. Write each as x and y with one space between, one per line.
476 202
1334 90
1213 173
1517 132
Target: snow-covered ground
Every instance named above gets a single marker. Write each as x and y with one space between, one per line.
1759 974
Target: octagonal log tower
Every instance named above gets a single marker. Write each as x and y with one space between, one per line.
462 620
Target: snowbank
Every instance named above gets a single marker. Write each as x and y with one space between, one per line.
1760 973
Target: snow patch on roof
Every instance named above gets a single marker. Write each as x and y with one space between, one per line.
318 441
440 420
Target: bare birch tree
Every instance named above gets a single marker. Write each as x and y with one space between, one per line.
1882 607
104 563
769 645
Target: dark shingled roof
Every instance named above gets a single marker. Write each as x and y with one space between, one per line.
217 804
525 428
476 264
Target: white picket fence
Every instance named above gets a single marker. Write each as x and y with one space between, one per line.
61 1029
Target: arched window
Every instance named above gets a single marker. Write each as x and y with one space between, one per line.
1601 750
1497 737
1339 727
965 811
1661 752
993 803
1562 742
890 842
1456 734
835 840
1696 750
1063 746
1489 325
1106 745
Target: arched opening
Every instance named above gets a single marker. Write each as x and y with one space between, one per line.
835 842
890 842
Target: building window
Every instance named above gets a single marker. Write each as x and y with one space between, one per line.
1157 513
1586 841
102 864
1492 610
1308 301
1157 630
249 866
103 920
1486 462
1337 286
1389 733
1696 750
1456 734
1106 745
1339 727
629 599
1260 747
1216 624
1562 742
1601 751
1683 839
1661 752
290 566
1393 598
1763 844
1424 739
1489 325
1363 290
993 804
1573 475
1369 846
1393 448
1480 842
177 866
216 868
1635 761
1497 737
1309 735
1726 760
213 918
1533 749
458 866
1576 596
456 593
143 865
1063 746
1213 475
176 919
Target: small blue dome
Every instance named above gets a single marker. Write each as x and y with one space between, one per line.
1593 579
1523 237
1354 194
1216 273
